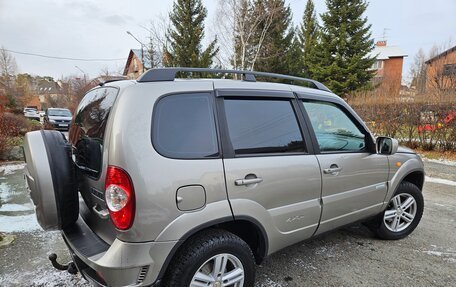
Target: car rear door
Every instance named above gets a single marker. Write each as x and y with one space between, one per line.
354 176
271 173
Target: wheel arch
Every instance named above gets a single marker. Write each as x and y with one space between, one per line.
240 226
416 177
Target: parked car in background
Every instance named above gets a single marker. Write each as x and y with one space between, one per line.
58 118
31 114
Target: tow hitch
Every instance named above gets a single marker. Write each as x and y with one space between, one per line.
70 267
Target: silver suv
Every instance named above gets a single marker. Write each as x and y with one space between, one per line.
191 182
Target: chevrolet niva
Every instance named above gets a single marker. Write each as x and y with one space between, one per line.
190 182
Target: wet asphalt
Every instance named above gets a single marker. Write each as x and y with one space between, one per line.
350 256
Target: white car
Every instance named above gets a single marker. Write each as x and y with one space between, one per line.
32 114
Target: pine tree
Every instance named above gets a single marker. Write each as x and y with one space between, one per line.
278 39
294 58
308 37
342 55
185 37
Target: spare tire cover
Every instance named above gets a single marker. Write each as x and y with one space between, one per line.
51 177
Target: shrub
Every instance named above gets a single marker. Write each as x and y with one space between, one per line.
12 129
418 121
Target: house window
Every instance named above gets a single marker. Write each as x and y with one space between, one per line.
377 65
449 69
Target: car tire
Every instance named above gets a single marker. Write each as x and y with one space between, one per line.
51 177
200 254
402 215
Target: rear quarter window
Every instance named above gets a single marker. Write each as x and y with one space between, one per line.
184 126
88 129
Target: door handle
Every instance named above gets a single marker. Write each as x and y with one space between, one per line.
333 170
239 182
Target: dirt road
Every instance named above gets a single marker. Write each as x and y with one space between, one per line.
348 257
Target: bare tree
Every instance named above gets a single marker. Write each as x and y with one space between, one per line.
107 74
418 71
158 40
7 67
237 26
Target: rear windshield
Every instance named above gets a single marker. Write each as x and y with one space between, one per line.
88 129
59 113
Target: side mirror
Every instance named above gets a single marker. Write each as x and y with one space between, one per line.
387 145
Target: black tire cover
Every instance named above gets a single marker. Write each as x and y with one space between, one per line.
64 179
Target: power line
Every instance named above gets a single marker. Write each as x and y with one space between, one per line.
65 58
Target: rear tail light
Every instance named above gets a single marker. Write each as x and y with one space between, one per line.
120 197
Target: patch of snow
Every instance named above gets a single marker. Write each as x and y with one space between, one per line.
42 277
15 207
8 169
303 264
441 161
270 283
21 223
440 181
439 253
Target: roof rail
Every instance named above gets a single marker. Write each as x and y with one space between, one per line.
169 74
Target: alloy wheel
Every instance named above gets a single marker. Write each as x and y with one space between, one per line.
400 212
221 270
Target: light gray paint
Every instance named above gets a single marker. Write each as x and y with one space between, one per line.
39 179
288 201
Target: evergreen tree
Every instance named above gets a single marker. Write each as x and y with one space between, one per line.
278 39
308 37
185 37
294 58
342 55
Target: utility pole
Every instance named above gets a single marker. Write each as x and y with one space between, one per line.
85 80
142 49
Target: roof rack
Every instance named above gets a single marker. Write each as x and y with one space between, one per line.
169 74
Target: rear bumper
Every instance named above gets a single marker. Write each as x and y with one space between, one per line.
119 264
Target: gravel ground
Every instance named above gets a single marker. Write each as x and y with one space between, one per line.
347 257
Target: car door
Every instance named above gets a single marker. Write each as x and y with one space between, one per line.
270 174
354 176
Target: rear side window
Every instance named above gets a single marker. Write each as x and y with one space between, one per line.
184 126
88 129
263 126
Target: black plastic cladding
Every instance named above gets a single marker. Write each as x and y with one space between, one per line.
169 74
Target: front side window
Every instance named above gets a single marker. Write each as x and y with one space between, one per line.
334 129
184 126
263 126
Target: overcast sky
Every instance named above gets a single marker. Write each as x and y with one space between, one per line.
96 29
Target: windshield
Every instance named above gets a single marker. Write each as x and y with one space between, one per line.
59 113
31 110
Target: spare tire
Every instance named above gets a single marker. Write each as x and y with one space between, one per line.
51 177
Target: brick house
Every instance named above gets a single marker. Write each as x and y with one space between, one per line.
137 63
388 66
441 71
44 89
